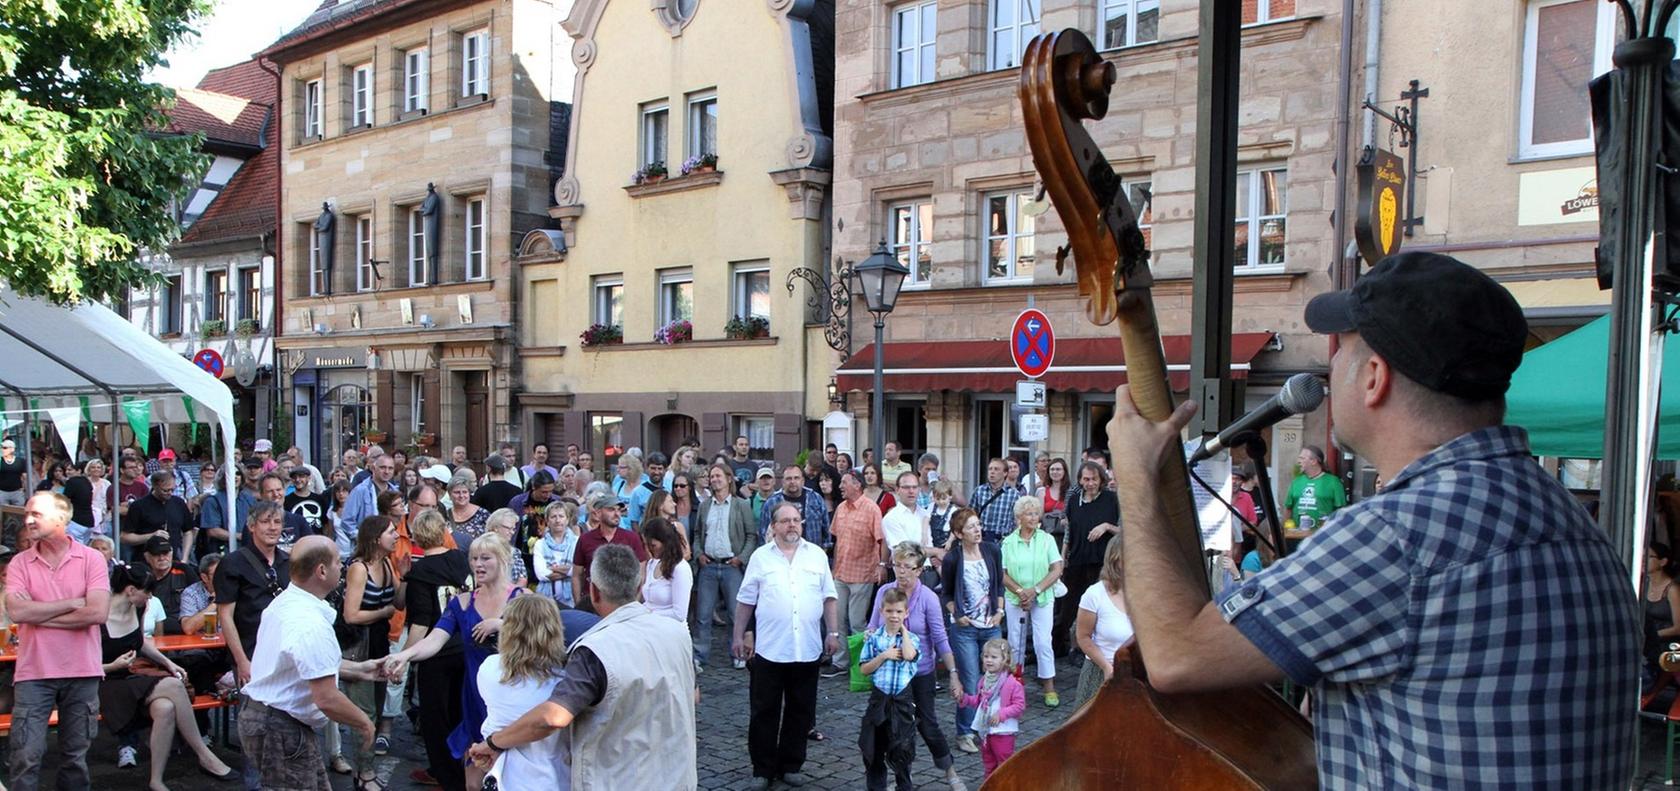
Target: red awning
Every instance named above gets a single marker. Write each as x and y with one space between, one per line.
1082 365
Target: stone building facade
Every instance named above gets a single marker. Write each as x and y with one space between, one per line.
416 140
696 180
218 288
931 156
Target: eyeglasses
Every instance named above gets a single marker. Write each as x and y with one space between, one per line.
679 486
906 567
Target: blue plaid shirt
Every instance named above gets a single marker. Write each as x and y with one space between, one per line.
997 510
1470 626
813 509
894 674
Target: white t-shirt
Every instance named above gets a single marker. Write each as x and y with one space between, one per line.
667 597
1114 628
902 523
544 764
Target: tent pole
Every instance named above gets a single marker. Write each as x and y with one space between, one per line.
116 476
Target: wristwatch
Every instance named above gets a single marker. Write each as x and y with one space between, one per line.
490 741
833 634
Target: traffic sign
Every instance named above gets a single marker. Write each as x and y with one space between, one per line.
1032 345
1029 394
1034 427
210 360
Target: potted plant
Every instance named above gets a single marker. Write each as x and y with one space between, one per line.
701 163
425 440
373 436
245 328
674 333
602 334
651 173
214 328
743 328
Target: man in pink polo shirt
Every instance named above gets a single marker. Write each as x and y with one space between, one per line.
57 592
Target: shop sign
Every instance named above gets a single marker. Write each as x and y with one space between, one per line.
1556 197
1382 189
333 358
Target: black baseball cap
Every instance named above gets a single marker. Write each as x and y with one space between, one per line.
158 545
1443 323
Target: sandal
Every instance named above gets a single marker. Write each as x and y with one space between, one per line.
369 784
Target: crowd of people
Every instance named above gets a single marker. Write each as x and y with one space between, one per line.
430 559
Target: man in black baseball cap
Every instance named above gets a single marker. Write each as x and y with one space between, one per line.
1430 611
169 578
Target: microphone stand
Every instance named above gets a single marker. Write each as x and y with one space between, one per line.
1256 447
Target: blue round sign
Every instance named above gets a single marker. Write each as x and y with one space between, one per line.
210 360
1032 344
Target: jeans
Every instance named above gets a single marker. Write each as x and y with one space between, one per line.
717 581
12 498
927 720
77 701
966 642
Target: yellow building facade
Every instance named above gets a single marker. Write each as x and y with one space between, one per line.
728 85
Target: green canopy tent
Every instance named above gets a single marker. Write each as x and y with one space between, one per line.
1558 395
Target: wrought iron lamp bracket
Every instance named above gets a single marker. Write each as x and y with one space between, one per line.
830 301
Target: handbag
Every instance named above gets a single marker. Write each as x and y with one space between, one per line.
857 680
1059 589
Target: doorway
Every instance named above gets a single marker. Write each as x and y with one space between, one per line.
667 432
476 389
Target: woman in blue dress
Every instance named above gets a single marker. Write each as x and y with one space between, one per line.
476 618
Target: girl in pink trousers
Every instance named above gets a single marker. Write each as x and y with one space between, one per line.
998 705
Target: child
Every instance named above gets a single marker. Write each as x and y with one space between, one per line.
998 703
888 733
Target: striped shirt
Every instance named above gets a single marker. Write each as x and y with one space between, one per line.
1470 626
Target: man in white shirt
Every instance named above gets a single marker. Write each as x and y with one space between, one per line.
294 678
903 522
790 590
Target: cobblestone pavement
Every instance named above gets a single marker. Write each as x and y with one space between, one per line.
723 763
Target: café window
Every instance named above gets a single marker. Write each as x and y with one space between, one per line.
1262 221
910 232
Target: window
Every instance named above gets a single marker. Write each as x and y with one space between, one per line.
364 253
911 230
1129 22
215 295
168 306
606 436
1142 195
312 110
416 404
361 95
416 247
417 80
474 269
317 268
475 63
676 295
1257 11
1565 44
752 290
760 431
250 294
1262 203
1013 23
609 300
702 125
1009 239
914 29
654 123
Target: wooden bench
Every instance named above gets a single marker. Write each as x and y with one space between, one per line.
199 703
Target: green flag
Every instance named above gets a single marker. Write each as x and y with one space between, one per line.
140 419
87 413
192 418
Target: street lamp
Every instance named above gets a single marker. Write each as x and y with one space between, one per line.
879 278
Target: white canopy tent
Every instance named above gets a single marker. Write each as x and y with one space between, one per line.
52 356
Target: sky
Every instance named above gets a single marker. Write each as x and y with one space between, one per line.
232 32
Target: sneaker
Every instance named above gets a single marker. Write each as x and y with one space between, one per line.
127 756
381 745
740 664
1052 700
795 779
966 743
699 667
955 780
832 671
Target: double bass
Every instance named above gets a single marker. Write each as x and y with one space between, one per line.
1129 735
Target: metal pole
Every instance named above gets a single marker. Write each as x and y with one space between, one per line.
116 478
1629 422
877 404
1219 53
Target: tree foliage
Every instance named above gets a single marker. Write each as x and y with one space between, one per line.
86 176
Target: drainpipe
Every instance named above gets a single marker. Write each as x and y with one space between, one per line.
1373 60
1345 269
277 313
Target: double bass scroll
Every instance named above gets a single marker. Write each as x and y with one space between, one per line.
1131 736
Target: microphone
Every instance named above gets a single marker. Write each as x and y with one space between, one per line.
1301 393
